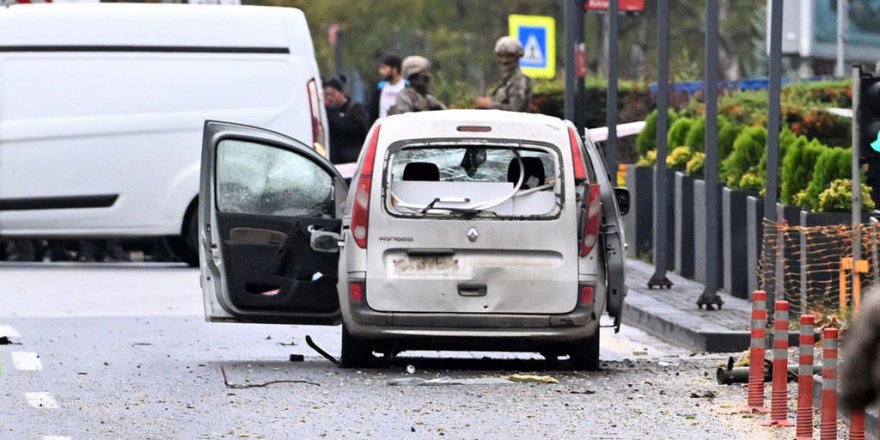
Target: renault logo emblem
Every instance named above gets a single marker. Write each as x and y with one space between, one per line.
473 235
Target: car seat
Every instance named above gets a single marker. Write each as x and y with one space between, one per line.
423 171
534 172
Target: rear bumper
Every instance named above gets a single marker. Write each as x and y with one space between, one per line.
366 322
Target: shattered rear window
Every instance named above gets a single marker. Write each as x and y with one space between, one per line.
474 180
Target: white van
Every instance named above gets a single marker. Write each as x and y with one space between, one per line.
462 229
102 108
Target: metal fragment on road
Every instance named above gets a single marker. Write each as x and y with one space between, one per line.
26 361
445 381
41 400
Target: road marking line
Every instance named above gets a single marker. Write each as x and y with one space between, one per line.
26 361
41 400
8 331
55 437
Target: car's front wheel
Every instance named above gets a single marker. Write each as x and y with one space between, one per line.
186 245
584 353
356 352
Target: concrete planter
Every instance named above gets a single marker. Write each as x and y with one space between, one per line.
639 223
734 249
819 256
700 228
754 236
684 225
670 223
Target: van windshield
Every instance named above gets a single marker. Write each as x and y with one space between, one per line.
474 180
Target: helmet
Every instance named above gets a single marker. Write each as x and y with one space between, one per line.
414 64
508 46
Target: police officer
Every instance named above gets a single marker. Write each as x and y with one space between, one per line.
515 91
415 97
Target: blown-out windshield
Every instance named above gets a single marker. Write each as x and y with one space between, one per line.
474 180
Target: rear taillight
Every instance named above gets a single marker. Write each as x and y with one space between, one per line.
591 220
319 138
360 215
356 292
580 168
588 294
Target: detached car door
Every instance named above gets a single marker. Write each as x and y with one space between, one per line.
262 194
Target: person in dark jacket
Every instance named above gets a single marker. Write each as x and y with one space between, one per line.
386 91
347 122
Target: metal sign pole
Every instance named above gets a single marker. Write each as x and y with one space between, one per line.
569 12
856 180
660 213
710 297
773 132
842 8
611 100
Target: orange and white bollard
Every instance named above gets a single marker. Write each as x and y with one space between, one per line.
805 380
756 352
779 394
828 425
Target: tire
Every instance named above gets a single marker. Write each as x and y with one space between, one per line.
186 246
584 354
356 352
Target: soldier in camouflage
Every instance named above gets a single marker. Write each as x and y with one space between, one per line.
415 97
515 91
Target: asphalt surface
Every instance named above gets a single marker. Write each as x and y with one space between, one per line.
123 352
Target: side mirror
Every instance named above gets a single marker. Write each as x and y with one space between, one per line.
329 242
622 196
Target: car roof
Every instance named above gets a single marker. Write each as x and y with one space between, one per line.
445 124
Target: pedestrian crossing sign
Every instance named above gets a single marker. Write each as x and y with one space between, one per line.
537 34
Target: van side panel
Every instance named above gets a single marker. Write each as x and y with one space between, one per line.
128 125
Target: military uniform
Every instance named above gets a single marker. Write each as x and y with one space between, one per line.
514 93
409 100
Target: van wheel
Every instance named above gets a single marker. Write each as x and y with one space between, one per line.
186 246
356 352
584 354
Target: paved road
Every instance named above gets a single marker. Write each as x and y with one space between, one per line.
123 352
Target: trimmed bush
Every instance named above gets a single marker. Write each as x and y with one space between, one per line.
833 163
649 159
838 197
726 136
747 156
696 165
647 138
679 157
696 138
797 167
678 132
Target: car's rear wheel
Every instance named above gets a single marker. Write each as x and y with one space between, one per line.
584 353
356 352
186 246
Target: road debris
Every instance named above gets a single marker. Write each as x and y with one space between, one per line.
531 378
237 386
321 351
297 357
705 395
445 381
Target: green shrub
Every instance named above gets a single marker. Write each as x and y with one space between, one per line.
751 180
833 163
797 167
679 157
746 157
696 138
726 136
647 138
696 165
838 197
678 132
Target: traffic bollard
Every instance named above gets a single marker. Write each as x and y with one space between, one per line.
805 380
779 393
828 425
756 352
857 425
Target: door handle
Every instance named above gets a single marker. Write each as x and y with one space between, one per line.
467 289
